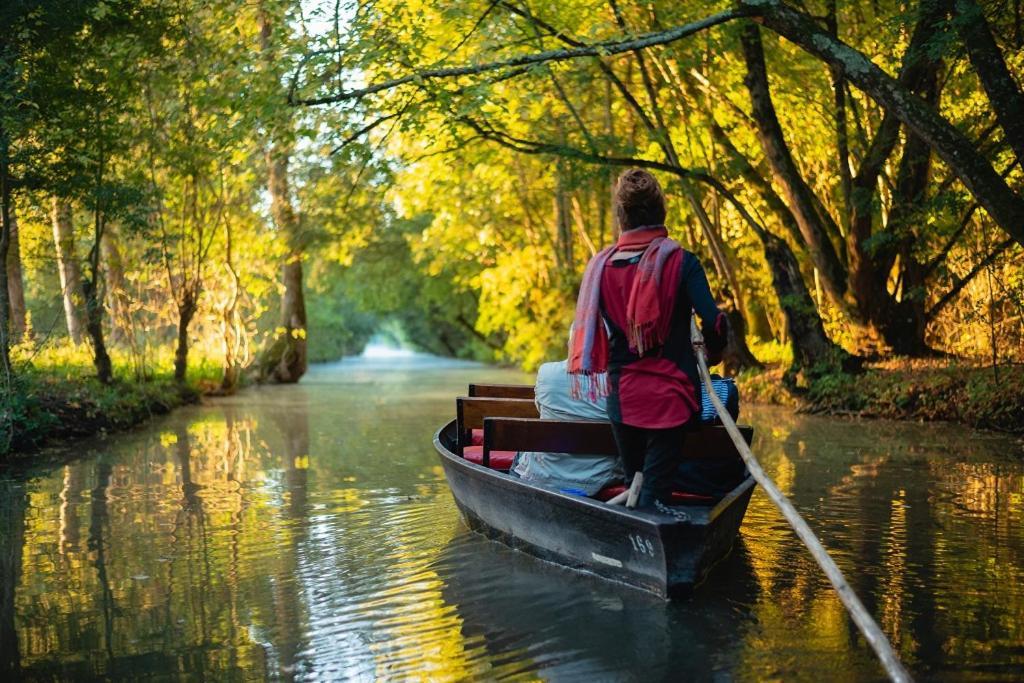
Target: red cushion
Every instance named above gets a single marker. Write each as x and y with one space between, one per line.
678 497
609 492
478 437
500 460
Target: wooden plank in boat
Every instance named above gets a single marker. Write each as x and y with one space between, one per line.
471 411
579 436
552 436
501 391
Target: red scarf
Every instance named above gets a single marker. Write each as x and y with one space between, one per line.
647 328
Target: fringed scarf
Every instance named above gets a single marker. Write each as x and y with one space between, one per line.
646 326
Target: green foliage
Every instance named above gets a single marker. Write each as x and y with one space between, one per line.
980 397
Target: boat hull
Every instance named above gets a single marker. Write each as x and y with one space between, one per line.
655 553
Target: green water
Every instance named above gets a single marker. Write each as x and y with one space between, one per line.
307 533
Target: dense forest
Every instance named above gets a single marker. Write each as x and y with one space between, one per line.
197 193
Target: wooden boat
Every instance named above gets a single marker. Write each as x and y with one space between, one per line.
659 553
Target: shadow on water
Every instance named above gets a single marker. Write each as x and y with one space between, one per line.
306 532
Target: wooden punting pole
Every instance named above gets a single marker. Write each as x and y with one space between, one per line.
867 625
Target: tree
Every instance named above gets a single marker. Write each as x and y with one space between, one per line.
15 282
284 360
190 143
67 266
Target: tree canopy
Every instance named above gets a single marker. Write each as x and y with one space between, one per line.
268 180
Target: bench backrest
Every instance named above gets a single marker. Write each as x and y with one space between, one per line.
578 436
501 391
471 411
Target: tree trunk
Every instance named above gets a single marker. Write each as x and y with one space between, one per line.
117 298
563 221
1003 93
812 346
285 359
869 272
737 355
812 349
67 266
92 293
839 118
816 225
5 241
94 328
901 319
16 283
977 174
232 332
186 311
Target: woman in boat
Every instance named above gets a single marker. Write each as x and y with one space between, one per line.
631 337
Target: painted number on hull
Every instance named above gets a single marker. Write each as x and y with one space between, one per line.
642 545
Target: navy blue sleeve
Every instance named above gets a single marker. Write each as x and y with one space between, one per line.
714 323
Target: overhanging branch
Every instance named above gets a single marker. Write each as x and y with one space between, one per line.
605 48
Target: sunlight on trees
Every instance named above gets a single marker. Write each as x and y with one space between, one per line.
251 183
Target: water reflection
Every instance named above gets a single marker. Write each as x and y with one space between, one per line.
630 635
307 533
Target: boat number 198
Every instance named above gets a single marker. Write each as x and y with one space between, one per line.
642 545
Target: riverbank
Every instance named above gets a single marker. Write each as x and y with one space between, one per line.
55 397
45 409
905 389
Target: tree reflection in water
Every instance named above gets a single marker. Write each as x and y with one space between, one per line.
13 503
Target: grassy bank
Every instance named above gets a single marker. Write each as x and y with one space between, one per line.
905 389
55 397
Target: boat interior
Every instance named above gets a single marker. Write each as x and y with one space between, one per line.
494 422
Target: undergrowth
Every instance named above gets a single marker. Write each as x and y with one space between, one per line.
54 395
904 389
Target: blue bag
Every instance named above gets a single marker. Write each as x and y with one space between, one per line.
727 393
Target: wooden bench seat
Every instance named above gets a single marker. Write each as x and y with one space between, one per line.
501 391
470 414
505 433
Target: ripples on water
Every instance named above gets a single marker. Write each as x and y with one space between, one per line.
307 533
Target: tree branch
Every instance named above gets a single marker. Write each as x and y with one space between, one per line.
368 128
601 49
1003 94
963 282
977 174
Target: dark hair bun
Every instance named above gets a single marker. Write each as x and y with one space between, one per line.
638 187
639 199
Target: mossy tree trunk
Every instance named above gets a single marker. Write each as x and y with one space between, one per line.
812 349
232 329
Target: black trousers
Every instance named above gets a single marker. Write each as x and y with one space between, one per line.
655 452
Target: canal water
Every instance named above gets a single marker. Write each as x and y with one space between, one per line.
306 532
